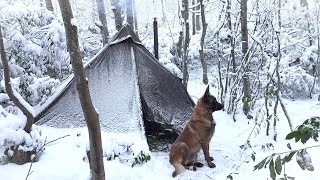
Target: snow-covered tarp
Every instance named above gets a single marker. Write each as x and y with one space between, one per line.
128 87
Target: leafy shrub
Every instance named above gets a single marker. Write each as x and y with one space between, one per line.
16 145
309 129
141 158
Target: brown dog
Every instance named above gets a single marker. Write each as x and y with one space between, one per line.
196 135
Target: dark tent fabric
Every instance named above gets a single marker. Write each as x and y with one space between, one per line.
126 84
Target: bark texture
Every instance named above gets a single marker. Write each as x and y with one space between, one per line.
117 11
129 12
185 16
9 90
244 38
203 35
90 114
103 20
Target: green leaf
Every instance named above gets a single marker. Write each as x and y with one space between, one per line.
270 145
315 137
141 158
253 157
306 136
301 126
272 170
245 100
265 165
230 177
278 165
289 146
292 135
260 164
298 137
249 116
288 157
242 146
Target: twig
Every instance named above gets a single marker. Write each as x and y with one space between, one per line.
40 149
274 154
286 113
209 176
55 140
243 161
243 132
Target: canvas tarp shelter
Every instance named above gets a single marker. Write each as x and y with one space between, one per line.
128 87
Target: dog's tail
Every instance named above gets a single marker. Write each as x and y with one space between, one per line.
179 168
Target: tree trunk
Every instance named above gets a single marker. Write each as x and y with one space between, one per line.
103 20
278 85
244 38
232 42
203 35
316 67
232 78
304 3
232 59
193 18
198 26
163 14
90 114
179 44
129 13
135 17
117 10
26 109
49 5
185 16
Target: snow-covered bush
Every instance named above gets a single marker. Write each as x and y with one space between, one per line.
296 82
90 41
168 41
35 45
33 91
16 145
40 89
169 65
35 41
309 58
36 48
125 148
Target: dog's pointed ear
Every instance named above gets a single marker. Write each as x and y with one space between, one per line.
207 91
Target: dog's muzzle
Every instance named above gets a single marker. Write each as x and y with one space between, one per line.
219 106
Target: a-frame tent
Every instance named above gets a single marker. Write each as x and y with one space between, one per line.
130 89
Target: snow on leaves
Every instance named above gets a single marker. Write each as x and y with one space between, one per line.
309 129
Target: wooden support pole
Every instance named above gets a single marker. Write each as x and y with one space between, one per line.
155 38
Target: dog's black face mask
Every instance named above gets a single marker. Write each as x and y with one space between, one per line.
210 102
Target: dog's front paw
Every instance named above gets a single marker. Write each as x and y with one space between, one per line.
198 164
211 165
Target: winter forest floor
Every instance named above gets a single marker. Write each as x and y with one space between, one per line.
64 159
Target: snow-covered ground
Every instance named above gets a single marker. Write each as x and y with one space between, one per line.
66 158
